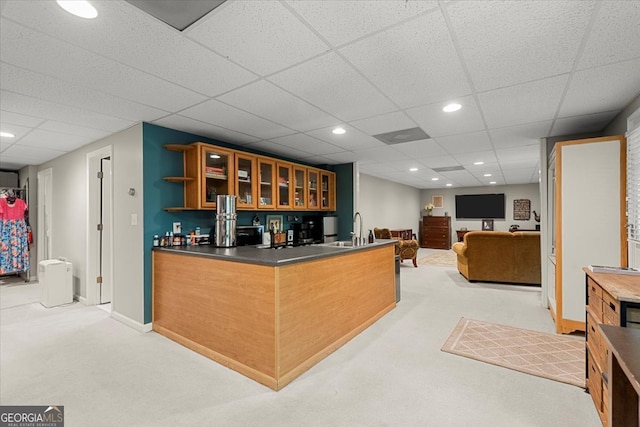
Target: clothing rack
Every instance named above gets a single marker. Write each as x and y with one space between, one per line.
22 193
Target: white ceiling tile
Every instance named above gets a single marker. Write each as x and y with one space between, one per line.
518 176
380 154
54 140
436 122
343 157
414 63
439 161
37 155
609 41
303 142
377 167
384 123
71 129
334 86
521 157
273 148
34 51
516 136
18 131
51 89
582 124
228 117
463 178
151 45
353 139
529 102
261 97
25 105
585 94
8 117
263 36
405 164
318 160
197 127
464 143
335 19
420 149
468 159
506 43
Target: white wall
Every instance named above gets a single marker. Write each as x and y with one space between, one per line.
388 204
69 217
512 192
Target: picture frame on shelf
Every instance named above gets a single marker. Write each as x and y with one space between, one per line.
487 225
275 223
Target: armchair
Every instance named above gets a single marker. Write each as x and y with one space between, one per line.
407 249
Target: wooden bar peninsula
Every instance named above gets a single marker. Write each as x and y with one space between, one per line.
270 314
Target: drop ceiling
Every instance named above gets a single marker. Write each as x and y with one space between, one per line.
278 76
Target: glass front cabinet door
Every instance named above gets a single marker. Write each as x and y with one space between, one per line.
313 176
245 181
217 174
299 187
284 185
266 187
328 191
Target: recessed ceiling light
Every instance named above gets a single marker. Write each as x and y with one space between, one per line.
478 163
451 107
413 169
492 182
7 135
80 8
338 131
487 174
449 185
214 156
435 179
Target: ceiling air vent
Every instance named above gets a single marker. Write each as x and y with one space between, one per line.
180 14
401 136
448 169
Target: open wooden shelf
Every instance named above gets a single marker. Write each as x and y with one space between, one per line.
178 178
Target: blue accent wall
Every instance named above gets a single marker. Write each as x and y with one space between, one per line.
158 162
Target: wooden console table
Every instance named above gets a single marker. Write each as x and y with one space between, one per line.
624 375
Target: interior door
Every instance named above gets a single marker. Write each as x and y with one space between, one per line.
105 231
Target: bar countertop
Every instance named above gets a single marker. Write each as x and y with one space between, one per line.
274 257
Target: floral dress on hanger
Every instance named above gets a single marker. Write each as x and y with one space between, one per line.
14 245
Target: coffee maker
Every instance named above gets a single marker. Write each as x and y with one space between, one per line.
301 234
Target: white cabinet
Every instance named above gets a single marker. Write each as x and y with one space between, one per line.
589 220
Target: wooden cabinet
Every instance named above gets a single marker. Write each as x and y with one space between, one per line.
328 191
258 182
285 185
299 187
266 186
588 220
313 177
436 232
246 182
612 299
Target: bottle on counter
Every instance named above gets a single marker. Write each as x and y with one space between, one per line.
156 240
371 238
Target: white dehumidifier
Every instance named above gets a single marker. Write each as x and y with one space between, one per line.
56 279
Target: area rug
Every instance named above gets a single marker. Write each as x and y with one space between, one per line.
556 357
440 259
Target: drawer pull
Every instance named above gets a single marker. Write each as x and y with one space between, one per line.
613 307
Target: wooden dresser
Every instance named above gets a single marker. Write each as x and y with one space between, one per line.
436 232
612 299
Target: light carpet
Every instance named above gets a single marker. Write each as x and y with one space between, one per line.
556 357
440 259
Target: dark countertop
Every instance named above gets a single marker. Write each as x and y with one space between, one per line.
272 257
625 344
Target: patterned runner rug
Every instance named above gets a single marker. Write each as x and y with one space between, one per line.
556 357
441 259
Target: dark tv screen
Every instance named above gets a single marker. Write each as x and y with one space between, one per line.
480 206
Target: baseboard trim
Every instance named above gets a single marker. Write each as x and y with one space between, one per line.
81 300
131 323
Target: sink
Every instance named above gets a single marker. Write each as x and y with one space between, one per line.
339 244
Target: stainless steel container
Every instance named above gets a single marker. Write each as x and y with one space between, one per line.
226 221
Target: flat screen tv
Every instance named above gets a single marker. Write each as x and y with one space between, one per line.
480 206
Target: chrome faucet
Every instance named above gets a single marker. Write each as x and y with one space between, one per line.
359 239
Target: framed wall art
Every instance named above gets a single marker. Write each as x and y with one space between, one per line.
487 225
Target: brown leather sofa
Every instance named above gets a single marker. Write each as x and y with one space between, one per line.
407 249
500 256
